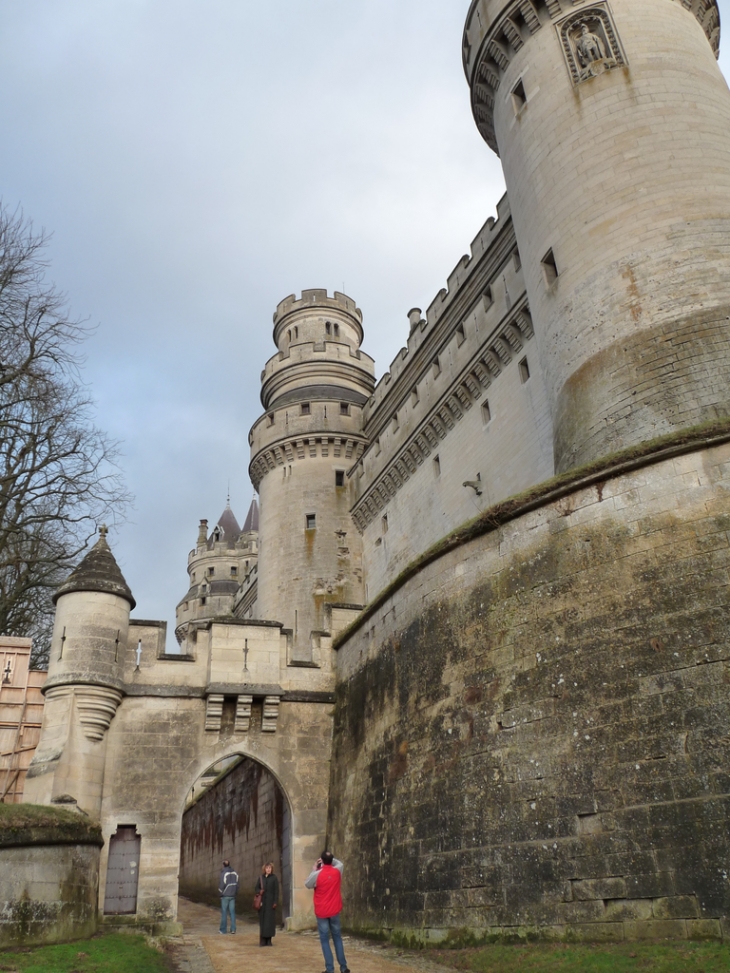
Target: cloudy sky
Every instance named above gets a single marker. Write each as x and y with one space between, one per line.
197 162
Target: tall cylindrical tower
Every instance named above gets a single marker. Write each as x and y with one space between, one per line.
85 682
313 392
612 121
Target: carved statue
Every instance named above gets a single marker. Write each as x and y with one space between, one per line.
589 47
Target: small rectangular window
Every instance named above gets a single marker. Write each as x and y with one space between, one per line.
311 521
211 572
487 298
436 466
234 571
344 408
516 259
271 418
460 335
395 422
377 447
519 98
202 601
306 409
524 371
486 413
549 268
436 368
384 524
414 395
339 477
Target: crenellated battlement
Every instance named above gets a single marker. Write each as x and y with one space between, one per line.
494 246
316 297
312 352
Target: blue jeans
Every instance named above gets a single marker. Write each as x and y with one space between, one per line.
228 907
325 927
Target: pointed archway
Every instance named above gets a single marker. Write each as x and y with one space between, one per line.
236 810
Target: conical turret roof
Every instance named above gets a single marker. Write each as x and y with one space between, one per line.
252 518
97 572
227 529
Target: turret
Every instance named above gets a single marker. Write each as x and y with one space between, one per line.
313 392
622 225
217 566
84 685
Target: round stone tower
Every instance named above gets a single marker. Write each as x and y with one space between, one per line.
217 567
313 392
612 121
85 682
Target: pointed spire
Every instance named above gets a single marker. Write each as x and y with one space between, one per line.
98 571
229 526
252 517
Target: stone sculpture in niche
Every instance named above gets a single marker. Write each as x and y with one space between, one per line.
590 43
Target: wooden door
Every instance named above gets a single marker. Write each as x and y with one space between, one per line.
120 897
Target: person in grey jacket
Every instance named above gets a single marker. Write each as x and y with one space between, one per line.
227 889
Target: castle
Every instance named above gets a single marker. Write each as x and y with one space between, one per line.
491 592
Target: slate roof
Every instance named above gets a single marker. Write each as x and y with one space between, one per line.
97 572
252 517
229 525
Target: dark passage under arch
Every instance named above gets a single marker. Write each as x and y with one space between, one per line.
237 810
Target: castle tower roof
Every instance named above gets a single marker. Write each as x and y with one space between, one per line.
98 571
252 518
227 529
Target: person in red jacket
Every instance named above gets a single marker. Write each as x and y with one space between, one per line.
326 879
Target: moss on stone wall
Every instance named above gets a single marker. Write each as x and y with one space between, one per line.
35 824
533 736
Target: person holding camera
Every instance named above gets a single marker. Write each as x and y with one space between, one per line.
326 880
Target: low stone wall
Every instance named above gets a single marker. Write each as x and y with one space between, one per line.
49 876
243 817
532 730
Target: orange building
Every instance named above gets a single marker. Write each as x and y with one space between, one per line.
21 713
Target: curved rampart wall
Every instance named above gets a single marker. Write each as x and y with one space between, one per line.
532 731
49 876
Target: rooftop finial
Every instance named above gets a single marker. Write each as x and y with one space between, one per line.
103 531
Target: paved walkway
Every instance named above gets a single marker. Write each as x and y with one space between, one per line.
204 950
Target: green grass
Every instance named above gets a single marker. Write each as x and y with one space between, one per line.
114 953
24 822
684 957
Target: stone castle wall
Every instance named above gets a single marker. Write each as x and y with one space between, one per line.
49 875
244 817
465 400
48 893
533 730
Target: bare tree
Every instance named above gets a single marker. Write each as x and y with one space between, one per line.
58 473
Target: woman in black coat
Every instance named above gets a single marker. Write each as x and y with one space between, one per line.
267 883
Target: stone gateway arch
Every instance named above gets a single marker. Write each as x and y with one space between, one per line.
127 734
